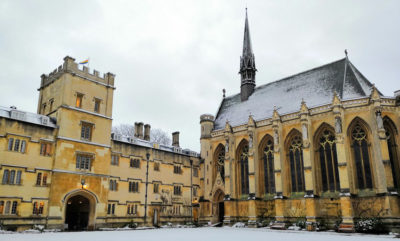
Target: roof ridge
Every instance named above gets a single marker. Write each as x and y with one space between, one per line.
290 76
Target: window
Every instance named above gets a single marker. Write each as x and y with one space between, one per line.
51 105
86 131
328 162
44 180
133 186
195 172
16 145
111 208
156 166
37 208
11 177
83 161
44 108
155 187
18 181
1 207
195 191
361 157
114 160
219 162
113 185
176 209
7 209
296 163
14 207
135 163
5 176
79 98
45 149
244 169
132 208
177 190
177 169
10 144
39 179
97 105
390 129
268 163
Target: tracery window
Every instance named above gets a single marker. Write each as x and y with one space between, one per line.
219 165
296 163
393 154
361 157
244 169
328 162
268 161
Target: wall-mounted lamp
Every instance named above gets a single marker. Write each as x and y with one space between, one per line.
84 185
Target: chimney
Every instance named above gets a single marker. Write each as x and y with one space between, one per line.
147 132
175 138
136 130
140 130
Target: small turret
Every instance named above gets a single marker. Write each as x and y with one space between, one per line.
207 125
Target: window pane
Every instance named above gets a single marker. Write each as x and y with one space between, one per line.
10 144
12 176
5 176
16 145
23 145
367 168
18 181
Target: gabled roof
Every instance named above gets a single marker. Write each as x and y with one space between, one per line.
315 86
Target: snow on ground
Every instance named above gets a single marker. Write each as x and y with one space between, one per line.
192 234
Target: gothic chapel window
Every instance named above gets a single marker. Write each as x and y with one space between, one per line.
244 169
328 162
296 163
392 149
268 163
361 157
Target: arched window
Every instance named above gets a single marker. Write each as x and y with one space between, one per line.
361 157
244 168
268 165
295 155
219 162
328 161
392 149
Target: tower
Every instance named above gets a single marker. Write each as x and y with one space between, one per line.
247 65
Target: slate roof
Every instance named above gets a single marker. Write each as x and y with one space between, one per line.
27 117
315 86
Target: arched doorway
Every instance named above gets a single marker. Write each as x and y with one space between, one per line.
77 213
218 204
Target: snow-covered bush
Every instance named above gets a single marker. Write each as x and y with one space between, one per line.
301 224
39 228
132 225
239 225
370 225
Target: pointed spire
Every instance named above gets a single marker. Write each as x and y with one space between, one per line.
247 65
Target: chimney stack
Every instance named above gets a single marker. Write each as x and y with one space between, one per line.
147 132
136 130
140 130
175 138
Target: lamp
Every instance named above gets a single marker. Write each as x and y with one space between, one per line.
84 185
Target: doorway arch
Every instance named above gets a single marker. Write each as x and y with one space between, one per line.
218 203
80 209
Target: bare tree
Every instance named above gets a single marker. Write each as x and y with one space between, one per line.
124 129
160 136
156 135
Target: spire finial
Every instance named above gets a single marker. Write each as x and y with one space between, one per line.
345 52
223 93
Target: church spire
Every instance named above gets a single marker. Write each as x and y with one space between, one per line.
247 65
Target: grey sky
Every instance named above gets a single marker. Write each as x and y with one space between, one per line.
173 58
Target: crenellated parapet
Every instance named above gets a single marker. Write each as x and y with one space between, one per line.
70 66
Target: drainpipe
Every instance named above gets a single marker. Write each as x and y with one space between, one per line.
147 182
191 190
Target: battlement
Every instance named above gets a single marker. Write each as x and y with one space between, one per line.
70 66
206 117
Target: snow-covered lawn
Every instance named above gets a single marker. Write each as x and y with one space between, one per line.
192 234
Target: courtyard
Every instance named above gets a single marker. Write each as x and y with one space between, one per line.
193 234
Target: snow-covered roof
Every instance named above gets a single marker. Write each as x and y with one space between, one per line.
28 117
315 86
149 144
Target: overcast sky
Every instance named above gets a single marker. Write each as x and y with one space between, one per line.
173 58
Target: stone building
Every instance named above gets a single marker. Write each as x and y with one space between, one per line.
63 168
318 146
